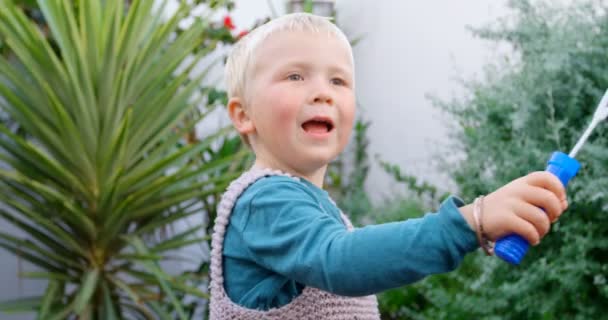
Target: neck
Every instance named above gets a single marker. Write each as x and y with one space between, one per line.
315 176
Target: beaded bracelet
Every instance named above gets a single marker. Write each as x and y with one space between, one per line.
482 238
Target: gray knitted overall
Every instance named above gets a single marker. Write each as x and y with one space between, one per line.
312 304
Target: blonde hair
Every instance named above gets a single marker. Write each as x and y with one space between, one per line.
241 58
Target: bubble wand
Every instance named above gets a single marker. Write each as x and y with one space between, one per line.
512 248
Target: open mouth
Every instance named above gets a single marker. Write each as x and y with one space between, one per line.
318 125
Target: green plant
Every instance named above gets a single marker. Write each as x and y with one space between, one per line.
105 163
424 192
528 105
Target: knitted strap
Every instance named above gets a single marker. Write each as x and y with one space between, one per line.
235 189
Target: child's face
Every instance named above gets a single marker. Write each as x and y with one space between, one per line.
301 100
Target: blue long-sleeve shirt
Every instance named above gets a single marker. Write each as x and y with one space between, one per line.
286 234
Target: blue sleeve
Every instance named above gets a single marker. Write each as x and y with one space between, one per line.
287 232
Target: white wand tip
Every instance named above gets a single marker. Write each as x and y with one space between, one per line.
602 109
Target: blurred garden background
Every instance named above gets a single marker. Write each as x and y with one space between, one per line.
115 147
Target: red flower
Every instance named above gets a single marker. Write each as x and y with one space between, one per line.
228 23
242 34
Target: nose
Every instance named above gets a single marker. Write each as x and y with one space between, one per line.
323 98
322 94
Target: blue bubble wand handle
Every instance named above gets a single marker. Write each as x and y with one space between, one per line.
512 248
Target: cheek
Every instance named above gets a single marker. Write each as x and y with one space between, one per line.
285 113
285 102
348 118
280 109
345 134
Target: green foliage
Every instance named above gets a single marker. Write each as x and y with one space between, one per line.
308 6
423 192
98 155
525 108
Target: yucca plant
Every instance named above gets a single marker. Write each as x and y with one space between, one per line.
101 165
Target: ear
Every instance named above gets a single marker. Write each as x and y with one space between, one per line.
241 120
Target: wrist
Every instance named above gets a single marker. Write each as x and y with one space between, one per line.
482 237
467 213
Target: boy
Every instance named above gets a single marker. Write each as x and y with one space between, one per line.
281 249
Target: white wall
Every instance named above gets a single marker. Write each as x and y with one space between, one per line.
411 49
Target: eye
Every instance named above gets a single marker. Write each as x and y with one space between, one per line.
295 77
338 82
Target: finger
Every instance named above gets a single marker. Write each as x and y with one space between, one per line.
544 199
534 216
524 229
549 181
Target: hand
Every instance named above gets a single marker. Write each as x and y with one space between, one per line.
516 207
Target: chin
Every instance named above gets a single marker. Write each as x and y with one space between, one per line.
320 159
